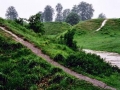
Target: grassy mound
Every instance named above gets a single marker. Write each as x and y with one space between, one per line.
107 39
53 28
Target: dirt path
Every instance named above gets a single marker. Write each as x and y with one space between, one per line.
113 58
103 23
38 52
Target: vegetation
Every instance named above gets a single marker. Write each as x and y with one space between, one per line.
107 39
11 13
35 24
72 18
67 39
65 55
101 15
59 17
54 28
66 12
20 69
84 10
48 13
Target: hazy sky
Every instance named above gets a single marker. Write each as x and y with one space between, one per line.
26 8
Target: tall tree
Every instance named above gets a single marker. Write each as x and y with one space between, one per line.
48 13
85 10
72 18
11 13
59 12
66 12
42 16
75 9
101 15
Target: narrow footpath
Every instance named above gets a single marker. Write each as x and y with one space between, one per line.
103 24
38 52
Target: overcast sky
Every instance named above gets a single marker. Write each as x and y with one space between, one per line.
26 8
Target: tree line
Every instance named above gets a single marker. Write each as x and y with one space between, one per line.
82 11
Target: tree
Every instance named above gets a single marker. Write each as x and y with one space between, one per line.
48 13
35 24
75 9
11 13
72 18
66 12
101 15
42 16
19 21
59 12
85 11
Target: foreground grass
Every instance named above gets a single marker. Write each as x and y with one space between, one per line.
20 69
53 49
107 39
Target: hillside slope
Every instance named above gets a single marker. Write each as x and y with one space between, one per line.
107 39
87 64
20 69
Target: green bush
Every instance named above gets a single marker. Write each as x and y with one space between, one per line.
90 63
59 57
67 39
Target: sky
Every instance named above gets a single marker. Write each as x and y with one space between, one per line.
26 8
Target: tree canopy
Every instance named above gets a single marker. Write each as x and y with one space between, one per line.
48 13
59 16
35 24
101 15
11 13
66 12
72 18
85 11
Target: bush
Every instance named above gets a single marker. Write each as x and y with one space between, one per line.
59 57
67 39
35 24
90 63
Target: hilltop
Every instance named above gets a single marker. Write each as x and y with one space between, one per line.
107 39
53 28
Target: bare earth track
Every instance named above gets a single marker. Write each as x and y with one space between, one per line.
38 52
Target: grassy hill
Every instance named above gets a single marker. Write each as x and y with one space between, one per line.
20 69
53 28
87 64
107 39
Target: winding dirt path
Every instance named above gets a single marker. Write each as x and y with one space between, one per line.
112 58
103 23
38 52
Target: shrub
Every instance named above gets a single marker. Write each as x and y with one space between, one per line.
35 24
67 39
90 63
59 57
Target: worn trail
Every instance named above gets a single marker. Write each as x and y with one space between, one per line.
38 52
103 24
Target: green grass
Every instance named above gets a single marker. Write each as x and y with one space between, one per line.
53 49
20 69
88 25
53 28
107 39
